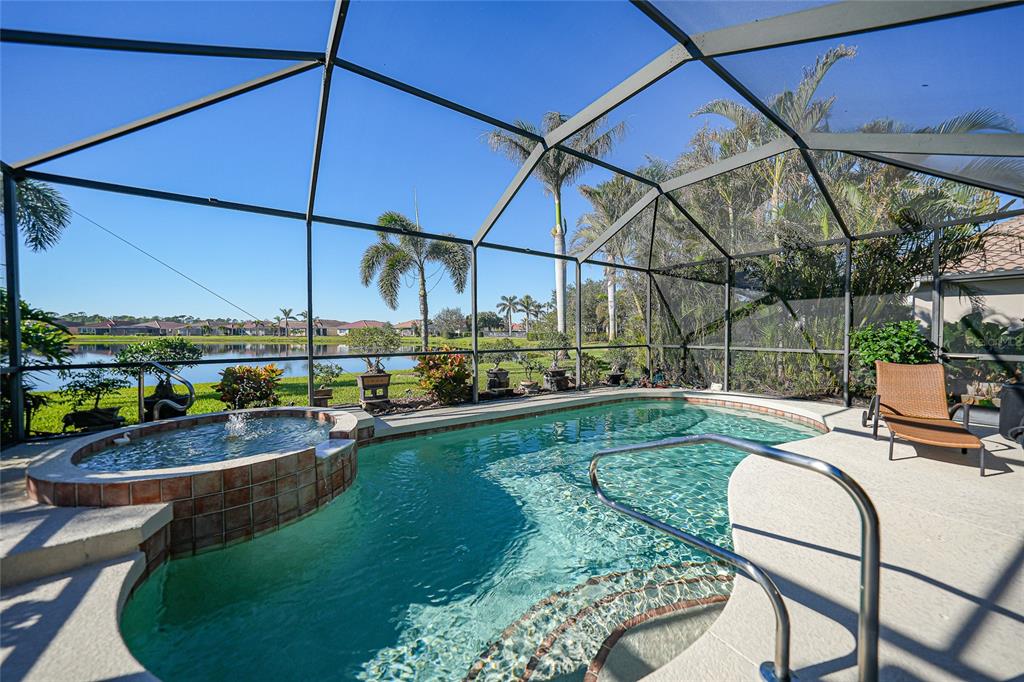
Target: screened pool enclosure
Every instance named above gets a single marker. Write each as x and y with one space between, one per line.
857 163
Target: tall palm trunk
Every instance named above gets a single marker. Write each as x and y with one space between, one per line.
508 318
610 285
424 312
558 233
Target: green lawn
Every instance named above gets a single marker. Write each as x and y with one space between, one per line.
292 391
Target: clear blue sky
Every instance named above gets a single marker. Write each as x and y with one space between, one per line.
514 60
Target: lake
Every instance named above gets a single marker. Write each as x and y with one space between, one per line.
107 352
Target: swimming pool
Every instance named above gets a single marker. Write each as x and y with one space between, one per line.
448 540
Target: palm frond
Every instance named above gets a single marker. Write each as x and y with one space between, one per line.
43 214
973 122
454 258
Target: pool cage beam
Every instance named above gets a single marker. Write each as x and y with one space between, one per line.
167 114
331 52
13 320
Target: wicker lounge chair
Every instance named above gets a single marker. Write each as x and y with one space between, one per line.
911 401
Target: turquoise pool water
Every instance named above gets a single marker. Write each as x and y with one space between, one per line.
210 443
441 543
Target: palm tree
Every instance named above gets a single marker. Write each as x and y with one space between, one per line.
556 170
286 315
507 306
610 200
43 214
389 261
528 306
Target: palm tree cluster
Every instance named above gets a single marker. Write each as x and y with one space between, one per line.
531 308
556 170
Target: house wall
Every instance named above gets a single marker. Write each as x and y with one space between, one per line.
1002 299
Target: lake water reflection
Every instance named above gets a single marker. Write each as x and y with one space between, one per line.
107 352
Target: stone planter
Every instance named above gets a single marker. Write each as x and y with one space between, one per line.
529 387
615 378
373 387
322 396
555 379
497 380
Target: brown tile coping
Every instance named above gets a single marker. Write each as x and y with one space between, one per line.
594 669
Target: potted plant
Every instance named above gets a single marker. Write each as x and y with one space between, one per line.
91 386
325 374
618 360
554 376
530 366
375 341
497 378
174 353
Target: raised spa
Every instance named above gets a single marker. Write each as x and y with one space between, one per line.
480 553
239 436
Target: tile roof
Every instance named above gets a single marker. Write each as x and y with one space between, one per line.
1004 250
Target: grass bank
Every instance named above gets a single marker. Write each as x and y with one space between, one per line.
292 391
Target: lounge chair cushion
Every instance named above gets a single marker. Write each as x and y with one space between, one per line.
942 433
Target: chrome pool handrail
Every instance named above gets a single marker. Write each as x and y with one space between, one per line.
868 628
160 403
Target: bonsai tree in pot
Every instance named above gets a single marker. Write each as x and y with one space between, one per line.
375 342
91 386
530 365
325 374
554 376
172 352
619 360
497 378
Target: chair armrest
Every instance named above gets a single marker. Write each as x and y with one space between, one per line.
967 412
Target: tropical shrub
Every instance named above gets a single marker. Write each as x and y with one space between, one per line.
374 341
445 377
590 369
92 384
248 386
900 342
41 338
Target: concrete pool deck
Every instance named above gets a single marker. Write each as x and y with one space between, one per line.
952 581
952 586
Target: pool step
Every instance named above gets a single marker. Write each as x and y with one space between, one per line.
39 540
562 633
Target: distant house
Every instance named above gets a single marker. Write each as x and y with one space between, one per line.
150 328
72 327
409 327
101 327
358 324
325 327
